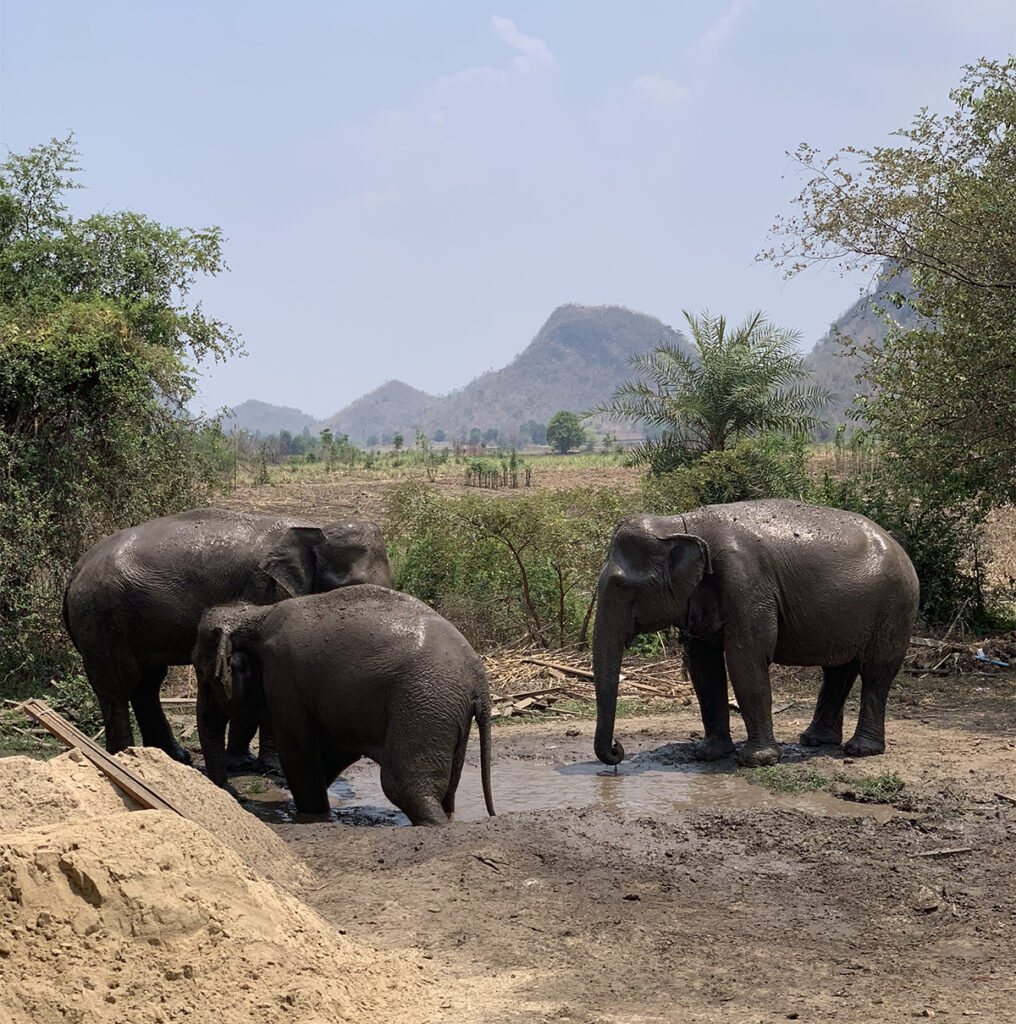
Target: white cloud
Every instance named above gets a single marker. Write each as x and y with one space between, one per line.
472 77
721 29
531 49
659 91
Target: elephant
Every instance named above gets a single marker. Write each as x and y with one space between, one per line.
750 584
357 672
134 600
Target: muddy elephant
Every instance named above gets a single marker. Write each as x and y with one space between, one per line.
358 672
751 584
134 600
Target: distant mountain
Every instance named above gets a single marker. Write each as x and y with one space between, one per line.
837 359
577 359
264 418
393 406
575 362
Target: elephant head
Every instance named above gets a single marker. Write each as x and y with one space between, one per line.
228 676
652 572
314 559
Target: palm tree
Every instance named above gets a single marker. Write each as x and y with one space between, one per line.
737 384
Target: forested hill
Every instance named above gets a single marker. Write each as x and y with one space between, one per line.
576 360
836 358
265 418
391 407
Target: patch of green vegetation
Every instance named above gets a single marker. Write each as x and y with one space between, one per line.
791 779
578 708
254 786
875 789
786 778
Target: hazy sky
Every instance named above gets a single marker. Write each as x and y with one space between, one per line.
408 190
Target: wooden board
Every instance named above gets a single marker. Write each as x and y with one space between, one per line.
134 786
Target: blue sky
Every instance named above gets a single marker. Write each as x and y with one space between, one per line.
408 190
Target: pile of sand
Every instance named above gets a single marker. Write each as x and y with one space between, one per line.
70 788
112 915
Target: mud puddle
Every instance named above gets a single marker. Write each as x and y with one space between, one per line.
523 785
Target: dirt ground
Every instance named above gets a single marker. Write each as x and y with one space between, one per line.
339 495
762 908
712 913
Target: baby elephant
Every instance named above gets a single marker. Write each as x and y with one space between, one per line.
357 672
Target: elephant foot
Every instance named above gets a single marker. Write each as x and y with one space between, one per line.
268 765
820 736
178 753
863 746
712 748
754 754
241 762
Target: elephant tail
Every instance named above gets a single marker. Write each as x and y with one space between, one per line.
481 712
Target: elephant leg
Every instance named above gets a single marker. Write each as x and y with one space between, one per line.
334 763
415 793
827 724
749 677
458 760
709 677
155 729
869 737
243 723
303 755
115 707
268 762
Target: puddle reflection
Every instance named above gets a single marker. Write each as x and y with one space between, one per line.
640 787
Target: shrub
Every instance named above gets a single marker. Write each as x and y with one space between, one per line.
765 467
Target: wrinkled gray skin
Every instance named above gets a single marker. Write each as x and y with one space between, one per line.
358 672
134 601
751 584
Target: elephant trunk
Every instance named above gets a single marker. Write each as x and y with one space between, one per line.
608 649
212 718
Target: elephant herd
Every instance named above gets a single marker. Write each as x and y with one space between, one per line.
296 629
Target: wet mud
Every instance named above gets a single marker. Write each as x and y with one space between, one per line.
649 785
676 893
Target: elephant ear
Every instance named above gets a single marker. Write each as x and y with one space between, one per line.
223 674
292 562
213 652
688 559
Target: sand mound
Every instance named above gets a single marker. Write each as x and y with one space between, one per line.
191 792
70 788
147 918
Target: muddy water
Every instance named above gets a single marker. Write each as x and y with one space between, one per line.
523 785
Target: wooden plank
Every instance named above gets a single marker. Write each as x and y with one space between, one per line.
133 785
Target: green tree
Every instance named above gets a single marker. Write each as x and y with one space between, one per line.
98 354
736 384
941 204
565 431
533 431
